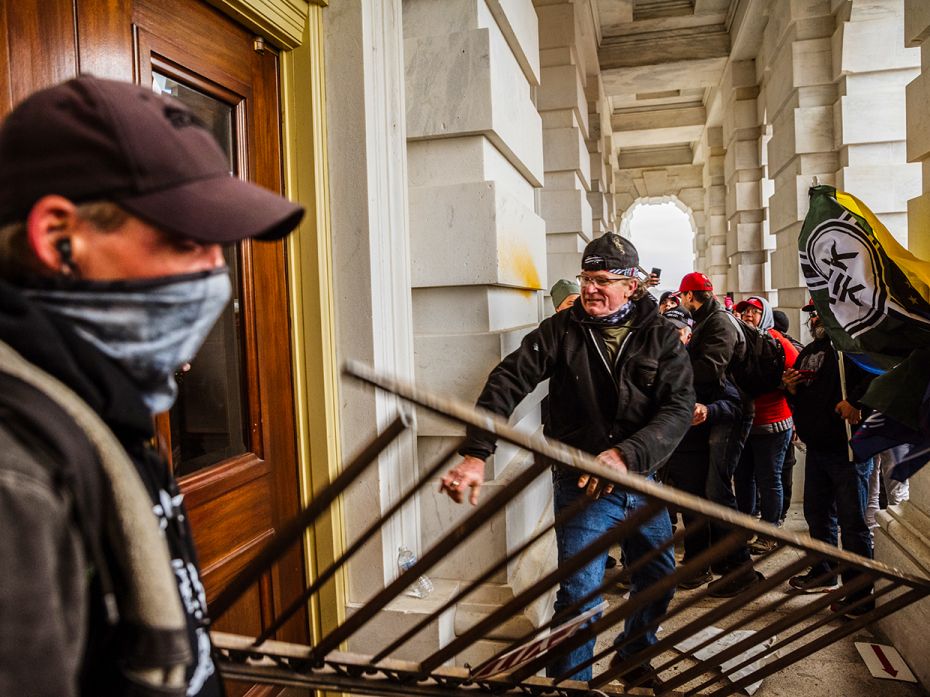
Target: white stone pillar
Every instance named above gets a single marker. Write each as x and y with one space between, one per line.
603 160
478 249
365 102
715 262
563 107
872 67
903 540
747 251
798 101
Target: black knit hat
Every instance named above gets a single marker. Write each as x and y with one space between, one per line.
612 253
90 139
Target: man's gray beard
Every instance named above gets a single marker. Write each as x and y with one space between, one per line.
819 332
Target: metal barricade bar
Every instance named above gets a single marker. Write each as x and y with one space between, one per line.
807 627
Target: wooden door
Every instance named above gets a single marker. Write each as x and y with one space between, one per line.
231 437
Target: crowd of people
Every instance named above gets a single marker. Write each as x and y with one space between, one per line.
661 388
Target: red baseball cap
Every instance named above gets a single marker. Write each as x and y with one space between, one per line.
749 302
695 281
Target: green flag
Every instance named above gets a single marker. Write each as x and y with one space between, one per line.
872 295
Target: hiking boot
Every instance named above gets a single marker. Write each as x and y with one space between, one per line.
728 588
762 545
697 581
813 582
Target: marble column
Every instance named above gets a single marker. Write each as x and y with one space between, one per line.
746 243
902 539
873 67
797 99
478 258
563 106
371 256
714 262
603 159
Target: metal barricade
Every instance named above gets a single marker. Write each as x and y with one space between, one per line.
782 627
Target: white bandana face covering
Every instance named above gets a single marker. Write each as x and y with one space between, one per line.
149 327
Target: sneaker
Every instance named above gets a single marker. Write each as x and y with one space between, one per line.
703 577
762 546
842 607
813 582
728 588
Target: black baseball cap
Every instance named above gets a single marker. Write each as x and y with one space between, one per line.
92 139
611 252
680 317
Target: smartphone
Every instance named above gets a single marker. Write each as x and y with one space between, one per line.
807 373
657 272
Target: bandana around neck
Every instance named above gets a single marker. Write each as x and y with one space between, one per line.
611 320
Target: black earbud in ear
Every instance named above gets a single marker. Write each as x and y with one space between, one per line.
68 267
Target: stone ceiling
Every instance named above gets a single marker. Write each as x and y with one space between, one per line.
661 61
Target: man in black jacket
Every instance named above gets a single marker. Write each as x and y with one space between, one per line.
715 345
836 486
620 389
114 204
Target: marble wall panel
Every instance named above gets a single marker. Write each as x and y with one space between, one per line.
463 160
885 189
520 25
870 118
562 88
475 233
476 309
864 46
469 82
565 149
566 210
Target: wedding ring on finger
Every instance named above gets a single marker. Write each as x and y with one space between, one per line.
455 484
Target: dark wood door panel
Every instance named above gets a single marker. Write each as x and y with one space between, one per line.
235 504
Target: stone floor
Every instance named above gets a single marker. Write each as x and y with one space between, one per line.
835 671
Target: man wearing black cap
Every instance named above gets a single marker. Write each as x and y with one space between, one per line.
620 389
114 204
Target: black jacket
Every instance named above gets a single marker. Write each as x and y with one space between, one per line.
814 404
642 405
54 638
715 344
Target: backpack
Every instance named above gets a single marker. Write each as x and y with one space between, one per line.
762 364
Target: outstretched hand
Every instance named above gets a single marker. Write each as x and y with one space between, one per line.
469 473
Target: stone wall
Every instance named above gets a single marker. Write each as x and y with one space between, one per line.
902 539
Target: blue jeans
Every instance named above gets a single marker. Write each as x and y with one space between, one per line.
585 527
836 493
760 466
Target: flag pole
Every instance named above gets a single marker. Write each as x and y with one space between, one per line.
842 359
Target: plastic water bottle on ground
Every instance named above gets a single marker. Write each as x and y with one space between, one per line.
422 587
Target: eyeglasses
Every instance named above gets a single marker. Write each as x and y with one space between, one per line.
599 281
752 311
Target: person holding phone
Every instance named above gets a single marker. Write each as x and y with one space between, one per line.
835 488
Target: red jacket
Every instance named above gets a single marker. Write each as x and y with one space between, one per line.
771 407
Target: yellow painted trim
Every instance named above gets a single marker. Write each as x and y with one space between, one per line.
310 284
283 22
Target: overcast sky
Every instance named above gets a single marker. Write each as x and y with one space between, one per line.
663 236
